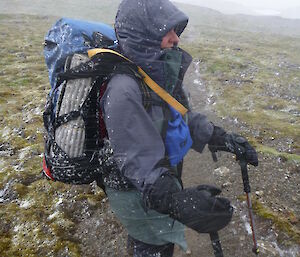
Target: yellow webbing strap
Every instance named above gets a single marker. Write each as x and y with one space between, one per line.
149 82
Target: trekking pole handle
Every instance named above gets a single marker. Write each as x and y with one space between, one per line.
214 236
245 177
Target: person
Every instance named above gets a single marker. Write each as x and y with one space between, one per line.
146 192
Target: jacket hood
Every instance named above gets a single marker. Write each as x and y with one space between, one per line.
140 26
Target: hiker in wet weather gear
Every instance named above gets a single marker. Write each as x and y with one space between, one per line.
152 204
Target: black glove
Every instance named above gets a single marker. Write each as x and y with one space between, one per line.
221 141
196 207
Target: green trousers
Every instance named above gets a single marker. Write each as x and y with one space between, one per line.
145 225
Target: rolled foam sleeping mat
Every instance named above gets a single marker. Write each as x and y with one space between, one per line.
70 136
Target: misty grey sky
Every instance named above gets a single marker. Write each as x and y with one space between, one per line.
283 8
269 4
278 5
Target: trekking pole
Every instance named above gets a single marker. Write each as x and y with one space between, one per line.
247 190
216 244
214 236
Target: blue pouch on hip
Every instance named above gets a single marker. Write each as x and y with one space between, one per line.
178 139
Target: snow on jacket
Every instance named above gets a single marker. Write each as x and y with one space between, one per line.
136 140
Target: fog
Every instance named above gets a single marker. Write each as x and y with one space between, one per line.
284 8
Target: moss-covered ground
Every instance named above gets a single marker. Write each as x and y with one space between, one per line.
287 223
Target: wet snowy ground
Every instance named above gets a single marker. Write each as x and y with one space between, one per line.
41 218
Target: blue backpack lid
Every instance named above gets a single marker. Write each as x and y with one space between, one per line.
68 36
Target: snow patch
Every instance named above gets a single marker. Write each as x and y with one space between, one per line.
247 225
53 215
2 165
18 167
292 252
37 111
18 227
60 200
198 82
221 171
27 117
3 192
5 133
275 250
26 204
24 152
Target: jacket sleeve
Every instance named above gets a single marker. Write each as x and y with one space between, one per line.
201 130
137 144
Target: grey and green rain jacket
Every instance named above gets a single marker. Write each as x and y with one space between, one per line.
134 132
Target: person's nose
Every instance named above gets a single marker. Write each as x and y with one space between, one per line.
175 38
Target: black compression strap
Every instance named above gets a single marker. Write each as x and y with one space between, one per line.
66 118
97 66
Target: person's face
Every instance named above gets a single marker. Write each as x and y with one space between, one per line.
169 40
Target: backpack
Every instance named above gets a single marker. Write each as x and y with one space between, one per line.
76 147
80 60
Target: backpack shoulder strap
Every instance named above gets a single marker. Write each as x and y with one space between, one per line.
147 80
